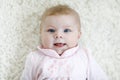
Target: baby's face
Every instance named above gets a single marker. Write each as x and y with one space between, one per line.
60 33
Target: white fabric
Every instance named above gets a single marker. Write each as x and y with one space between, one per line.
75 64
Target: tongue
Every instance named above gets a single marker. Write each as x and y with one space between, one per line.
59 44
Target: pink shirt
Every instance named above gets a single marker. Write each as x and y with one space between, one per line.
74 64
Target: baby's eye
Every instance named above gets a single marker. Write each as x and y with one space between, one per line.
51 30
67 30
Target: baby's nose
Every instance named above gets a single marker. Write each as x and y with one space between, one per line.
58 35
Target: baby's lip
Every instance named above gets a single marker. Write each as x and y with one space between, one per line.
59 44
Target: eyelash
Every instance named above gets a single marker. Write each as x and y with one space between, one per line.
52 30
67 30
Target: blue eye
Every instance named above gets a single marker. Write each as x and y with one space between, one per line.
51 30
67 30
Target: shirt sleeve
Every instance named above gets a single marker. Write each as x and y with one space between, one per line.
28 69
95 71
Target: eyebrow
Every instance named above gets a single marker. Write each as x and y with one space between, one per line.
51 26
67 26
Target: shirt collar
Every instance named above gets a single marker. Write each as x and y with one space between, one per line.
52 53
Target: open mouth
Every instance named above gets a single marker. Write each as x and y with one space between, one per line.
59 44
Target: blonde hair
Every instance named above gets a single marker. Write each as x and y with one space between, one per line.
59 10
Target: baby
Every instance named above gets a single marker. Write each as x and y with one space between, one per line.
59 57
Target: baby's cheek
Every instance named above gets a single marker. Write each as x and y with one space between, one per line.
48 43
73 43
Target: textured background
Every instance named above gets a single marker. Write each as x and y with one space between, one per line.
19 32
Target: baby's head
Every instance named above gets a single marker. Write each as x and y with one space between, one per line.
60 28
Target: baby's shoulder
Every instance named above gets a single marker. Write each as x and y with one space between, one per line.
85 49
34 55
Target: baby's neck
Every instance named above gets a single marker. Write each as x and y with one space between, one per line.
60 52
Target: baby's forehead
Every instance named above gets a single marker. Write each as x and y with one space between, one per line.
62 22
62 16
